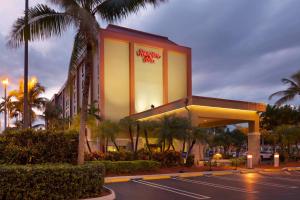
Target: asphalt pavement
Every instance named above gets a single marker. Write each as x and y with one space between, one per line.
264 185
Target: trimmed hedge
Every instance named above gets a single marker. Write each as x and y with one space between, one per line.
36 147
56 181
120 167
167 158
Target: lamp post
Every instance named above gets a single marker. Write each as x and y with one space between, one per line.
5 83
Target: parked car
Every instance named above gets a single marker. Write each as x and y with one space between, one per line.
266 155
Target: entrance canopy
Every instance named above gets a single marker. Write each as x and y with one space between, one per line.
212 112
207 112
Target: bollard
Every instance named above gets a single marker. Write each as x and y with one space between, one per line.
276 160
249 161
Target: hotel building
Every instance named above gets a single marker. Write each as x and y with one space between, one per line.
147 76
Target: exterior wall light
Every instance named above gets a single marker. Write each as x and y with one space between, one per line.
276 160
249 161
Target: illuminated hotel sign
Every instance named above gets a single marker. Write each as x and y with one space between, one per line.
148 56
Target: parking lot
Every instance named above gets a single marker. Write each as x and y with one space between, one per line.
283 185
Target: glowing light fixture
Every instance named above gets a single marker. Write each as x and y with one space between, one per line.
5 81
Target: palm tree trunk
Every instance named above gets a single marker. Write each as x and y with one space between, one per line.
169 146
172 145
87 142
137 137
183 145
85 97
117 147
131 138
147 141
191 148
26 110
106 144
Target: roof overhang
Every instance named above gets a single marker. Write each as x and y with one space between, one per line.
200 101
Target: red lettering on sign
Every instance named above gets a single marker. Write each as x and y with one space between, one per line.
148 56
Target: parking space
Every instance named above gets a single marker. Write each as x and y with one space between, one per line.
238 186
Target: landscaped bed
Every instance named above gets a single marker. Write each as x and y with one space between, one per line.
51 181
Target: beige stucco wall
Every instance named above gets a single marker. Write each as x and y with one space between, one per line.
116 79
177 76
148 80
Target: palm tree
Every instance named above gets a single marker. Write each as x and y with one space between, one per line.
35 101
26 39
45 22
291 92
171 127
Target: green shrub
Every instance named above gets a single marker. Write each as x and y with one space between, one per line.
238 161
121 167
190 161
55 181
119 156
168 158
143 154
35 147
2 146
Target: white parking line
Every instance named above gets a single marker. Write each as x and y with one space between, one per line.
171 189
215 185
280 178
256 182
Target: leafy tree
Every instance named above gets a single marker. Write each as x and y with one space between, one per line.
275 116
127 124
223 138
45 22
238 139
291 92
109 131
199 135
52 115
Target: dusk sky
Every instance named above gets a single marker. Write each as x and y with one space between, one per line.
241 48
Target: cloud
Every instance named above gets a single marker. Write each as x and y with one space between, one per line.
241 49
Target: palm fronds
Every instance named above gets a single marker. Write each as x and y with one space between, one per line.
291 92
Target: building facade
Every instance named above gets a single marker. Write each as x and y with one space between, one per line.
147 76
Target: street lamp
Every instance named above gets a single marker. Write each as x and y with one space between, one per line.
5 83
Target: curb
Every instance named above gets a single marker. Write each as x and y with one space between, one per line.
291 169
111 196
271 170
120 179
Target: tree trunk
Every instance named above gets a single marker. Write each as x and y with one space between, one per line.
131 138
114 141
169 146
25 106
85 97
172 145
137 137
147 141
106 145
102 144
183 145
87 142
191 148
